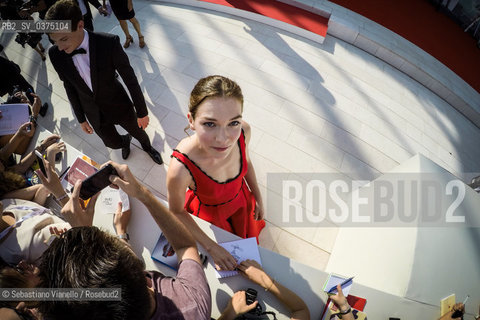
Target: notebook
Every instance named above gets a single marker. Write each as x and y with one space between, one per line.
241 250
13 116
333 280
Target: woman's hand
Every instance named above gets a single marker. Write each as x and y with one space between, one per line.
53 149
339 299
26 130
252 270
23 98
37 104
222 258
49 141
259 212
54 231
51 180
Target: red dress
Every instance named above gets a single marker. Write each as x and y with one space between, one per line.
229 205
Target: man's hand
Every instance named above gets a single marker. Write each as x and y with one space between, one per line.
237 306
74 210
127 182
130 5
86 127
143 122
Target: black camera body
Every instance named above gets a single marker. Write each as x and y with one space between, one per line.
251 297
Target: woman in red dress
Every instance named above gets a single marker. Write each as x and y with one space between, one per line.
214 165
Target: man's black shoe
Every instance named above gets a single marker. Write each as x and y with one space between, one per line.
126 146
155 155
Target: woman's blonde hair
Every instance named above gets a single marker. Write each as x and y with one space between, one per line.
213 86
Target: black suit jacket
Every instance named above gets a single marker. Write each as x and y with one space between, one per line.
108 102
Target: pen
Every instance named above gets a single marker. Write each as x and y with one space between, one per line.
341 285
466 299
63 173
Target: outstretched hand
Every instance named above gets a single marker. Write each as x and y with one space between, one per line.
49 141
252 270
222 258
340 300
54 231
50 180
75 212
26 130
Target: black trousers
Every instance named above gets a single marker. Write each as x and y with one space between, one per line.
112 139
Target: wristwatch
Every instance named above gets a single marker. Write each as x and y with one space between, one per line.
346 311
33 120
124 236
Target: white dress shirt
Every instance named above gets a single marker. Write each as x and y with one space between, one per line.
82 61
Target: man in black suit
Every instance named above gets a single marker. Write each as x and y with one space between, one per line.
87 63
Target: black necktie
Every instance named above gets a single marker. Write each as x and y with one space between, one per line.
78 51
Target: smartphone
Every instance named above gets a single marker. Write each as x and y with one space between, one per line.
40 162
96 182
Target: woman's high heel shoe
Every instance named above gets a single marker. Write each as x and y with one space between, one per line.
141 41
128 41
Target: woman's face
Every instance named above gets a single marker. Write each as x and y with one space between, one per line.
218 125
